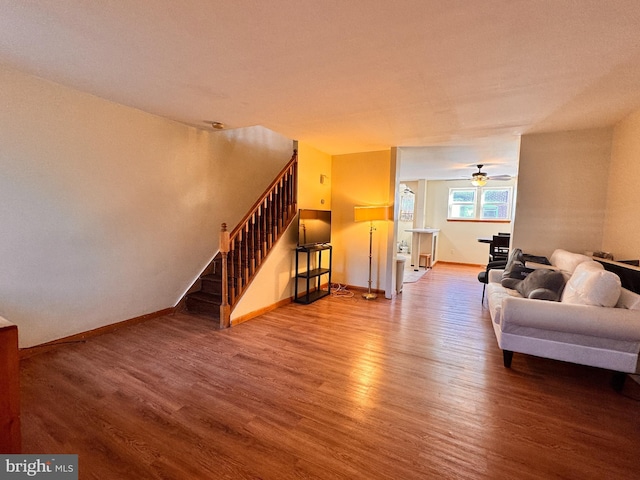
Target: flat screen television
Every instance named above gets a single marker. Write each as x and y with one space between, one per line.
314 227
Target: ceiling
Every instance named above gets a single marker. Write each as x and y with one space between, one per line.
346 76
498 155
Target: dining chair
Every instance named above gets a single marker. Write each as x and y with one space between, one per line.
499 248
483 277
498 256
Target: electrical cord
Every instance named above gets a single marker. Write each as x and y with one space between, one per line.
338 290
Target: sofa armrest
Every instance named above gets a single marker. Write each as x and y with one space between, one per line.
495 275
606 322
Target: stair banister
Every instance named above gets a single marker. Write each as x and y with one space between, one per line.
252 239
291 169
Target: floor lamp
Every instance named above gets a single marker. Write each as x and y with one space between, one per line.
370 214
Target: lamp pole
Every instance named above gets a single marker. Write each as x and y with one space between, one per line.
370 214
369 295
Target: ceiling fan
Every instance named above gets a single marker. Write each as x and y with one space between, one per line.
480 178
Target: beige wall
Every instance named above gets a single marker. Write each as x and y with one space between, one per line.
579 159
274 282
458 241
109 213
360 179
562 191
622 222
313 163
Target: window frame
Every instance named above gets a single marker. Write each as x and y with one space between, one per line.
407 207
479 203
451 203
508 203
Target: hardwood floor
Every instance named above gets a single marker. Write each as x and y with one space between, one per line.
343 388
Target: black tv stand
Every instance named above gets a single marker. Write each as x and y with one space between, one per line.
312 276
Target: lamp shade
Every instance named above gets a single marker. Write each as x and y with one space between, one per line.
479 180
371 213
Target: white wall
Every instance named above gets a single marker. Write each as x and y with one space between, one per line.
109 213
458 241
622 222
562 191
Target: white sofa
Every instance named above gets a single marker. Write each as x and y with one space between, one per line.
578 328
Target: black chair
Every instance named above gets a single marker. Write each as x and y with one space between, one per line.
483 277
499 248
498 256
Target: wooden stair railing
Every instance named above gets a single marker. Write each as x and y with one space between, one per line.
255 235
243 250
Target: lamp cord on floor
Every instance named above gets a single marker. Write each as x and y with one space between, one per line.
338 290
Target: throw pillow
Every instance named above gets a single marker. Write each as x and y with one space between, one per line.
542 284
590 284
567 261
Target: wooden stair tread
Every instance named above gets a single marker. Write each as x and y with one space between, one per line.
205 297
212 278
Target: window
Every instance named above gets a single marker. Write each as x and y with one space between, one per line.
462 203
407 206
495 204
480 203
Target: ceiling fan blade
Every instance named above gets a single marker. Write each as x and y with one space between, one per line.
500 177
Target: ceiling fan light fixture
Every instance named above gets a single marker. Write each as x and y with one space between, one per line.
479 178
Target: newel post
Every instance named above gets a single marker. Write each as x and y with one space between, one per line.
225 309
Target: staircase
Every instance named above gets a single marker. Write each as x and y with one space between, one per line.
205 297
243 251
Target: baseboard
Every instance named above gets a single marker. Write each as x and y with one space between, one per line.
261 311
78 337
361 290
463 264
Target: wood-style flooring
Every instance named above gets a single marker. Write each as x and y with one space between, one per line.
343 388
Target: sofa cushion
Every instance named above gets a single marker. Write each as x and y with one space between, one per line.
590 284
542 284
567 261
